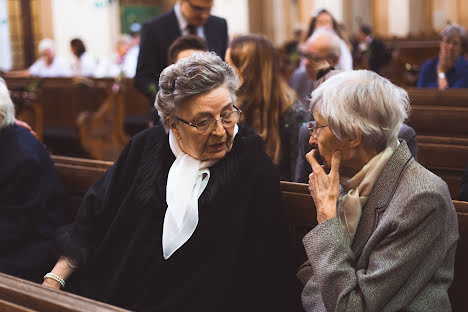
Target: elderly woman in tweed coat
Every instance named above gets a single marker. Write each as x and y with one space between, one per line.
387 228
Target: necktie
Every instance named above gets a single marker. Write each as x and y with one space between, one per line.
192 30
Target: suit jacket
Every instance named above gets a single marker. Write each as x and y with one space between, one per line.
303 168
303 85
157 35
402 256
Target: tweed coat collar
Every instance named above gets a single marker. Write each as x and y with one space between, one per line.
380 196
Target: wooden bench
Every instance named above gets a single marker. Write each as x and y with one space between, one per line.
440 121
17 295
301 212
79 174
81 117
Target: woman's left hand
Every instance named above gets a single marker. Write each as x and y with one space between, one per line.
324 187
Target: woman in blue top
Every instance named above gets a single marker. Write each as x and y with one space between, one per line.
450 68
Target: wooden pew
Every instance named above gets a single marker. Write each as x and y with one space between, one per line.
301 212
408 57
81 117
17 295
79 174
439 119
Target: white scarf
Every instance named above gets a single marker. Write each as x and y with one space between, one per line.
359 187
187 179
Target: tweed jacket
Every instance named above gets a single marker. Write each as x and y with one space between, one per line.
402 257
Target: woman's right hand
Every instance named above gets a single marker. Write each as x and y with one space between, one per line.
50 283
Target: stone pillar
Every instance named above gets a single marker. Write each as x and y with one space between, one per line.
46 25
236 12
272 18
421 18
380 17
6 62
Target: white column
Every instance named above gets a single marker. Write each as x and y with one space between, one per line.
96 22
236 13
398 18
5 48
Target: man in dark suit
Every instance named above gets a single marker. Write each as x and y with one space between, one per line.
371 50
187 17
303 168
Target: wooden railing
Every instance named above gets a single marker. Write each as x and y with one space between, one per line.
17 295
82 117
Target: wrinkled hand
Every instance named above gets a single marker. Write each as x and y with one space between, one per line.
324 187
50 283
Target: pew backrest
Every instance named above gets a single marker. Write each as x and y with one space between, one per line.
440 121
81 117
17 295
79 174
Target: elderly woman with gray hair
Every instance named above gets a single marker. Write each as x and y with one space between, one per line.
189 218
450 69
32 199
387 236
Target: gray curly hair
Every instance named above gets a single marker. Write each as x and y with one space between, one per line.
190 77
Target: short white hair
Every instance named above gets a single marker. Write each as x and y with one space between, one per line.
46 44
361 99
7 109
329 37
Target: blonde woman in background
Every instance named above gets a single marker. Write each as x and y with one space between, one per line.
269 105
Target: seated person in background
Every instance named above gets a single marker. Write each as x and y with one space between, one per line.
322 46
48 64
189 218
115 66
303 168
464 186
323 19
186 46
32 199
131 59
269 105
450 69
84 64
386 241
370 52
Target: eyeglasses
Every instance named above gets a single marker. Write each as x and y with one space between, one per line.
198 9
312 57
312 126
229 119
